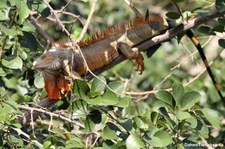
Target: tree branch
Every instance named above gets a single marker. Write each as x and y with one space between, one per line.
169 34
40 30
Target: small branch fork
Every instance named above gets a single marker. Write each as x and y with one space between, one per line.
51 114
180 29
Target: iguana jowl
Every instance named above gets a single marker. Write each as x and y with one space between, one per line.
59 65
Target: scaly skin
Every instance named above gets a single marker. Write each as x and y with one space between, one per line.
58 65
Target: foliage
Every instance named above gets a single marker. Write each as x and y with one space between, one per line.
104 112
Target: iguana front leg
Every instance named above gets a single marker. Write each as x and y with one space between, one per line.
67 68
132 54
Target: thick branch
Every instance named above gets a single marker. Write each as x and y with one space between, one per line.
44 103
180 29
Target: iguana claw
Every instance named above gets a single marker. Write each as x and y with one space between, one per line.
139 62
132 54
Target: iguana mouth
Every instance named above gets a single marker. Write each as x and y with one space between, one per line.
57 86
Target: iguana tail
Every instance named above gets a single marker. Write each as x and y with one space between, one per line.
197 44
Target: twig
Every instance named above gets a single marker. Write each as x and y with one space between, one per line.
137 13
20 132
51 114
54 13
84 30
76 17
189 56
40 31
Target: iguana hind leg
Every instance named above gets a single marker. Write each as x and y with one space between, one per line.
132 54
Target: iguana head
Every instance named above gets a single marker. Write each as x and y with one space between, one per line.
50 64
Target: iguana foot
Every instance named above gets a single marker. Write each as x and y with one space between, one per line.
139 62
132 54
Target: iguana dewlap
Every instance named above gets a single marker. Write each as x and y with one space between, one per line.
60 65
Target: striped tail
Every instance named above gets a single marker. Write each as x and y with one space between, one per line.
195 41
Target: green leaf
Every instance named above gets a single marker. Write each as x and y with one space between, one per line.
189 100
98 85
140 123
134 142
28 27
22 10
81 88
161 139
221 21
220 5
3 14
108 133
80 109
15 63
117 87
123 102
212 116
109 98
182 115
203 129
192 122
154 117
177 91
142 108
37 5
158 104
221 43
166 97
173 15
94 101
92 126
74 142
92 94
205 30
23 55
11 82
47 144
2 72
6 110
39 82
219 28
128 124
3 3
77 33
7 31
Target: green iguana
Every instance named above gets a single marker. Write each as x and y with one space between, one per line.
61 64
